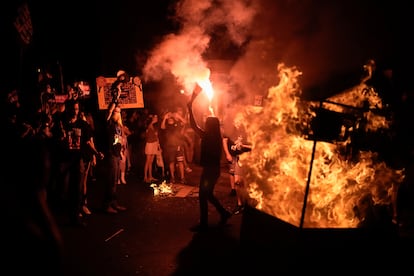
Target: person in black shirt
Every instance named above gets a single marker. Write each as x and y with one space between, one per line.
210 158
75 153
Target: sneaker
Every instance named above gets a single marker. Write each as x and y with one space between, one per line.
238 209
188 169
224 218
111 210
233 192
120 208
86 210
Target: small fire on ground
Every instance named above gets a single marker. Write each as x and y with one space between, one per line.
165 189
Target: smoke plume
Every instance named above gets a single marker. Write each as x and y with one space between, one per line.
328 41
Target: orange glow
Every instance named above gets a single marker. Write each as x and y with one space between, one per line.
205 84
162 189
207 88
277 169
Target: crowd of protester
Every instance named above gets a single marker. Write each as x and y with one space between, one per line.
56 119
54 143
58 144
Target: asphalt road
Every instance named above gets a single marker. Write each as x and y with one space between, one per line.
153 238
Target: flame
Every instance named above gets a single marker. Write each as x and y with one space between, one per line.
278 169
161 189
206 86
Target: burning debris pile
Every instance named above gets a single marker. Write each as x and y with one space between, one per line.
165 189
162 189
296 147
305 154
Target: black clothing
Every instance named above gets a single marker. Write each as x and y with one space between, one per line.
211 141
210 159
74 155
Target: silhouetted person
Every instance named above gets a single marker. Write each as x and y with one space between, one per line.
210 159
32 243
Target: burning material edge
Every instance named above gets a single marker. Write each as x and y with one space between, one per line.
263 231
343 182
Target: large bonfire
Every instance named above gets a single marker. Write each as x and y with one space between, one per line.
296 177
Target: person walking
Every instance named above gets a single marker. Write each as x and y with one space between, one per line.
210 158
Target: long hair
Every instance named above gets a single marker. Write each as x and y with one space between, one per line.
211 143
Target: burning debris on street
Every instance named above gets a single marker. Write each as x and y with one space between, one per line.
313 163
301 140
164 189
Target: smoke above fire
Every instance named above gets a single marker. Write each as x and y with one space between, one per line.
327 41
284 51
182 54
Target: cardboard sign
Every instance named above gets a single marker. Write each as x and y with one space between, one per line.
131 95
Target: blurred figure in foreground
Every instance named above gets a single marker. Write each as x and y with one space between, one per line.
32 239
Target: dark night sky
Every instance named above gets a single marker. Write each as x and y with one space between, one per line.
91 38
88 38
